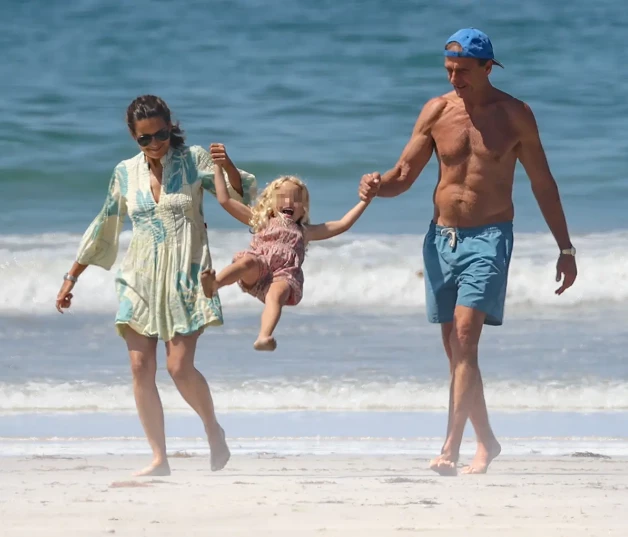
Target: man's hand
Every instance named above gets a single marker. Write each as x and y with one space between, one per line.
567 271
369 185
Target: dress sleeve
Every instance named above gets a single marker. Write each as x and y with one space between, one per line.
205 168
99 245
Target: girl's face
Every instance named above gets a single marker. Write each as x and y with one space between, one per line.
153 136
289 201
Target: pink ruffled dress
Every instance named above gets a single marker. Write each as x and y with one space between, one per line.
279 249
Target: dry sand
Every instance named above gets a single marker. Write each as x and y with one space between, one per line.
312 495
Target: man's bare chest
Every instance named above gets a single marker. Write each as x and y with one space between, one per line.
458 138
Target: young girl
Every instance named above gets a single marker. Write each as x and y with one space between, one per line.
271 269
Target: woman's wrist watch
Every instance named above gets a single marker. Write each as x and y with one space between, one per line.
68 277
569 251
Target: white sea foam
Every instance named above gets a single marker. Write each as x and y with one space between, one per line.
359 272
319 395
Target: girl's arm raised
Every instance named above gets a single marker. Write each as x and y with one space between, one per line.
320 232
236 209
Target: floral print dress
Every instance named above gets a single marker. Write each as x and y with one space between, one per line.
158 282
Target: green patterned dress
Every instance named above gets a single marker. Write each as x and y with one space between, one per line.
158 283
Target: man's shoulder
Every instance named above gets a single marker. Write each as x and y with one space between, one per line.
519 113
439 103
512 104
431 112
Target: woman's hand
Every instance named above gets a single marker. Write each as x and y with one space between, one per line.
64 298
219 155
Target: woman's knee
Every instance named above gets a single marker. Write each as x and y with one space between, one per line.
180 356
179 368
143 366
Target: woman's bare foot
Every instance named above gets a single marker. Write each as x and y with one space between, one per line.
483 457
443 466
219 452
265 344
208 282
157 468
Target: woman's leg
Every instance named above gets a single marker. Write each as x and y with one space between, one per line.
276 297
246 269
193 387
143 356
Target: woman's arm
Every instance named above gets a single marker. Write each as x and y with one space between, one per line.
236 209
246 182
99 245
327 230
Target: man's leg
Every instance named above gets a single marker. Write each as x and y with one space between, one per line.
488 447
465 378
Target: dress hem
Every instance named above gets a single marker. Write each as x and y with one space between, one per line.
120 325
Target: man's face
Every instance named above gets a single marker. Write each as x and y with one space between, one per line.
466 75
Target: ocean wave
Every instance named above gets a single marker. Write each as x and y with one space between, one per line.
366 273
320 395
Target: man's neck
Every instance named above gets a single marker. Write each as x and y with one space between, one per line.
480 98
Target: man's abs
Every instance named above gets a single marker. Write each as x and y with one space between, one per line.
473 200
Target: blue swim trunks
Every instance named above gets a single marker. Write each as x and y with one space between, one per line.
467 267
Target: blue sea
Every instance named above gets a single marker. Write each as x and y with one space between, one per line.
327 91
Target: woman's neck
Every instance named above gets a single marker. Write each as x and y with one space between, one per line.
154 164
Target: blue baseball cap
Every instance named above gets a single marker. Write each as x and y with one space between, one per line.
474 44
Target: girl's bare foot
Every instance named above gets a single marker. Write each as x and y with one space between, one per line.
265 344
208 282
157 468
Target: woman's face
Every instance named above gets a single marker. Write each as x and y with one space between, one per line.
153 136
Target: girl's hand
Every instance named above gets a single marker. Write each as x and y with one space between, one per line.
369 186
219 155
64 298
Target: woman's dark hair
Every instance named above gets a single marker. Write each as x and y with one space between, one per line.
147 106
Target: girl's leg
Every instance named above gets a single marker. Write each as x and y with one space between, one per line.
276 297
193 387
246 269
143 355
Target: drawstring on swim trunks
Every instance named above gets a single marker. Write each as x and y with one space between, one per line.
453 238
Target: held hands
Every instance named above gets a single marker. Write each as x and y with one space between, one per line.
64 298
567 270
219 155
369 186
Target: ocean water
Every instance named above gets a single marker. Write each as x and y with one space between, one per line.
327 91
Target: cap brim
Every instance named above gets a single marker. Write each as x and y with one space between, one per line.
497 63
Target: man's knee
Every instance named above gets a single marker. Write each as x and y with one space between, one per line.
466 332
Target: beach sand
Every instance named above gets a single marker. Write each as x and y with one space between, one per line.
306 495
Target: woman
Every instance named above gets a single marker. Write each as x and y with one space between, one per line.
161 189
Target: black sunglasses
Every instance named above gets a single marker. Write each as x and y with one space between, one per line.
161 136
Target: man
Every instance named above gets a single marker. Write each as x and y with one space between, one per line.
478 132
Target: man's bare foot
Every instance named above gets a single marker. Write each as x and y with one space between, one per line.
155 469
219 452
208 282
483 457
265 344
443 466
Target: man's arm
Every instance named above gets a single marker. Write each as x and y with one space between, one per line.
532 157
416 154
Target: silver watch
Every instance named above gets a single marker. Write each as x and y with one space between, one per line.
569 251
70 278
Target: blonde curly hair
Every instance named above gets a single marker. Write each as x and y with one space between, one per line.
264 208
